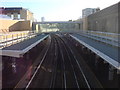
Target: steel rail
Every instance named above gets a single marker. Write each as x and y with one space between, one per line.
71 64
64 74
55 67
27 86
79 67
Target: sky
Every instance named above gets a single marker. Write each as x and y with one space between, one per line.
57 10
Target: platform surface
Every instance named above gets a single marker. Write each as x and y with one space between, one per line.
20 48
110 53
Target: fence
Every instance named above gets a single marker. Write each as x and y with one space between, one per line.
15 37
105 37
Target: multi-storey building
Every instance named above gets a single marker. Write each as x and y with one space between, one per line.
17 13
88 11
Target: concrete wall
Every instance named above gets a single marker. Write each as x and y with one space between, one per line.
5 24
105 20
85 23
26 15
80 26
30 15
21 26
23 14
14 25
36 27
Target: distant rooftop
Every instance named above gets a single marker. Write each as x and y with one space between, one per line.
11 8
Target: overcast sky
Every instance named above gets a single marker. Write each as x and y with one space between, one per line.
57 10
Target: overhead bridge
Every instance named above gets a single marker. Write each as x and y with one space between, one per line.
58 22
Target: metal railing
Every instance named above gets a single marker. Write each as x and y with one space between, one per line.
13 38
105 37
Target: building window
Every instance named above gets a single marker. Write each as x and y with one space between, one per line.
18 16
12 16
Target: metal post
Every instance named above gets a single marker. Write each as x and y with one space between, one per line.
111 72
118 71
14 65
6 40
96 60
21 36
27 56
12 39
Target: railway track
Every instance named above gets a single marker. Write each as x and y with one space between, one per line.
60 68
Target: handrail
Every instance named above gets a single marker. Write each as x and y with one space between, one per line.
108 38
12 38
108 34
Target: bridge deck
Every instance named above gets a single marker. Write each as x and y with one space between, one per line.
19 49
58 22
105 51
